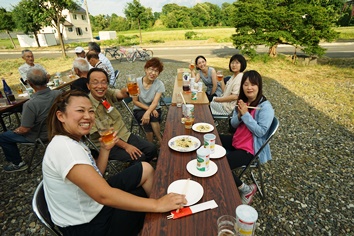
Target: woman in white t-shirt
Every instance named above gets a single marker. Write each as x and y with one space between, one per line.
224 104
80 200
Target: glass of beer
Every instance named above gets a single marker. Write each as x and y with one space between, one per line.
219 75
188 122
105 129
191 65
132 85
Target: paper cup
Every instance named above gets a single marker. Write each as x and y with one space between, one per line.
203 159
194 94
246 217
209 142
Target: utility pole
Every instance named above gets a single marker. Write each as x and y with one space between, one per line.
88 20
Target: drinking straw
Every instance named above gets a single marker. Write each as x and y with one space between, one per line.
184 101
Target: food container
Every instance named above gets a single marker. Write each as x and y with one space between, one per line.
246 217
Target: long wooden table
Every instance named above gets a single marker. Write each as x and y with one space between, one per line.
171 166
201 97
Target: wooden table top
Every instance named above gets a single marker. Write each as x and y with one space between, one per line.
171 166
177 88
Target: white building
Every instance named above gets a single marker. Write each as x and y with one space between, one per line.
75 28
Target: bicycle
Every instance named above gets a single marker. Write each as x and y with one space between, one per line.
131 54
142 53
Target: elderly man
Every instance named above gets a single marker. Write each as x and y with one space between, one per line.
81 68
93 58
93 46
129 148
34 112
27 55
80 52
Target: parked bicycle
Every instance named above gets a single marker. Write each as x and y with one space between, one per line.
131 54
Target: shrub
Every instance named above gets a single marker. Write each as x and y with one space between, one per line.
190 35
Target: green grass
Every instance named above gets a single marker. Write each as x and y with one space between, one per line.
7 44
346 33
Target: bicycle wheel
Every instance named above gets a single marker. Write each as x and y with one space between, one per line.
118 56
148 54
130 57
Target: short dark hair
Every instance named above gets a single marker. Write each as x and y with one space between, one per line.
93 46
95 69
91 54
240 59
196 60
154 62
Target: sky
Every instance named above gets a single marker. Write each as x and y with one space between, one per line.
97 7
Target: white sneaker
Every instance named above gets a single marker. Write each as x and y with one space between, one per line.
247 197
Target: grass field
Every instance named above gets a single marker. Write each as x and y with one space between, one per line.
328 86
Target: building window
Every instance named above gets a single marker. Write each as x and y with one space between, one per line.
86 29
70 29
83 17
78 31
75 16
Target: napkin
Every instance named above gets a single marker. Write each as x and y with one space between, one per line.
192 209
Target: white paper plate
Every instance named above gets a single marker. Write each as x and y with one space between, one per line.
202 127
194 192
192 143
192 169
220 151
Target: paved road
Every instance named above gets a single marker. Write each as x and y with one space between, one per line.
334 50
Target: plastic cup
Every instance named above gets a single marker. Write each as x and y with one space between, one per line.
209 142
200 87
56 82
105 129
179 100
246 217
3 102
226 225
132 85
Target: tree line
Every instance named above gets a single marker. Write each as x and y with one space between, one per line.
301 23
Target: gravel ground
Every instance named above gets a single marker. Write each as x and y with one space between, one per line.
308 181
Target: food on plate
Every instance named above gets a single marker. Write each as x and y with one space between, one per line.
203 128
184 142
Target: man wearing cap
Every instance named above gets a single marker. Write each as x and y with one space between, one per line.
80 52
27 55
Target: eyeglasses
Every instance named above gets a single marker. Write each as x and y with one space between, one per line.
104 83
151 70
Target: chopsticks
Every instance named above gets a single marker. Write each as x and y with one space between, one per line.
184 101
250 107
185 189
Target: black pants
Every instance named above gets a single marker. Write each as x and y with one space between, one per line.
148 149
112 221
235 157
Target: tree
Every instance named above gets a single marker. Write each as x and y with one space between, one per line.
135 11
6 23
271 23
53 16
25 15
